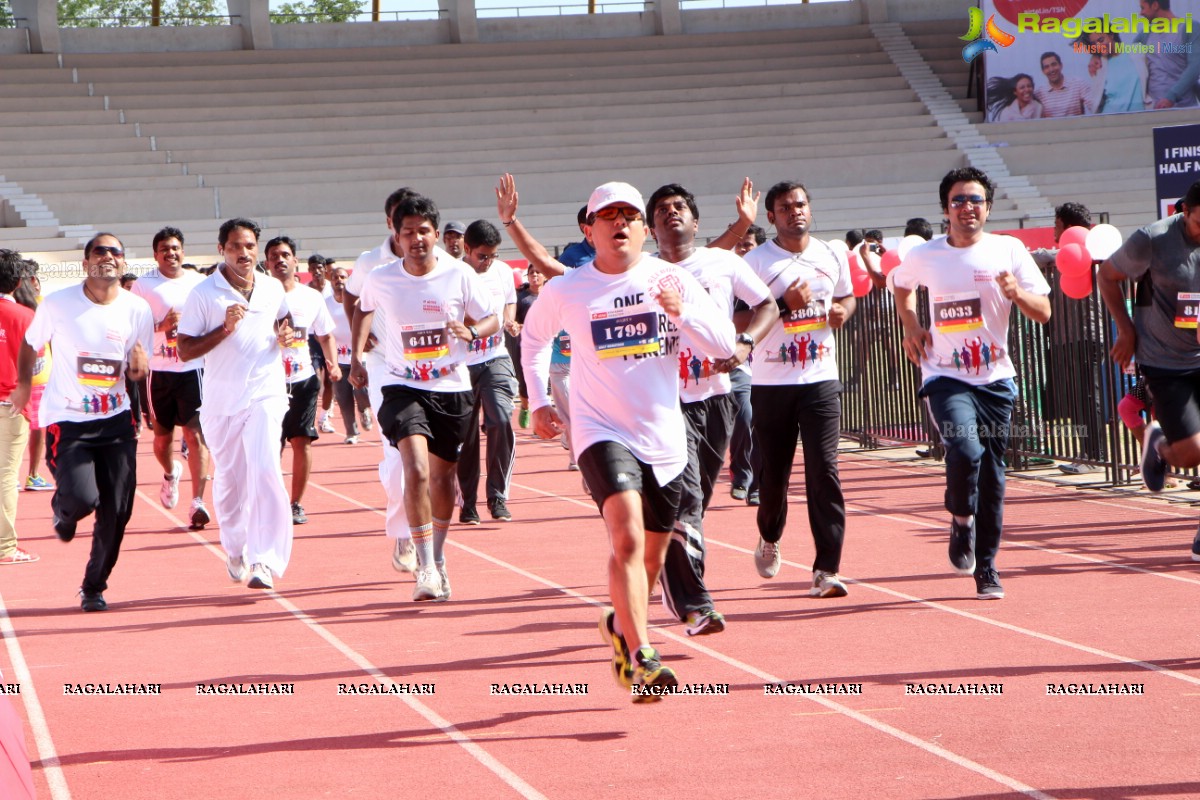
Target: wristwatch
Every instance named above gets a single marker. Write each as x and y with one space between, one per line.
471 329
746 339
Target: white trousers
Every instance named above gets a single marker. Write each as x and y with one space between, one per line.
391 469
250 499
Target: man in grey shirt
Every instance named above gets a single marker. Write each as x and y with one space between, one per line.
1165 257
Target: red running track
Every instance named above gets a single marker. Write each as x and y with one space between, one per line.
1100 590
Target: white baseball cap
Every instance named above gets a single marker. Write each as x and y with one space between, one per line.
610 194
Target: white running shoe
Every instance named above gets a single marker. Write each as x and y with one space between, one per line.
827 584
169 493
429 584
200 516
365 418
326 424
767 558
236 566
441 568
404 556
351 440
260 577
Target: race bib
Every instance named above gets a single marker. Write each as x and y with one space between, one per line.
621 333
430 340
299 337
98 372
1186 306
564 343
812 317
955 313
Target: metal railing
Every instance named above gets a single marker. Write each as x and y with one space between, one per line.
1067 387
147 21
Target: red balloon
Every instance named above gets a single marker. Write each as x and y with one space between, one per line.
1074 260
861 282
1076 286
889 261
1074 235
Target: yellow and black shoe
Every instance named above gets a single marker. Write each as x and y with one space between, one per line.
651 680
622 664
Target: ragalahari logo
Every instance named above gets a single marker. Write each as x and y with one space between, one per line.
980 42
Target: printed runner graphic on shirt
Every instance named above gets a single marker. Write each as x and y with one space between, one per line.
291 364
801 352
169 349
426 371
694 368
976 355
486 344
343 353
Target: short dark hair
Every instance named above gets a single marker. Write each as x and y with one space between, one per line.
12 270
190 266
919 226
317 258
1050 54
128 278
481 233
783 187
87 248
278 240
965 175
581 217
874 234
1192 198
760 236
1074 214
670 190
416 206
854 237
396 198
166 233
237 222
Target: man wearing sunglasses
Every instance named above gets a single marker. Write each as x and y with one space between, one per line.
625 313
795 386
706 395
974 279
101 337
493 382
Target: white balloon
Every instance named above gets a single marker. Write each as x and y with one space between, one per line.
839 244
1102 241
908 243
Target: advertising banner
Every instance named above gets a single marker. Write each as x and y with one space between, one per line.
1176 164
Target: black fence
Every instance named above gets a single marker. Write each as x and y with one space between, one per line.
1067 387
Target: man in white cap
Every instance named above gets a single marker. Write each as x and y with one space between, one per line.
624 312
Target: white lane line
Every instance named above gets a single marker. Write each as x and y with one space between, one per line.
882 727
514 781
51 766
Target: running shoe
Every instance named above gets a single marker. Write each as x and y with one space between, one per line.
753 499
200 516
987 585
738 492
236 567
429 584
767 558
351 440
404 556
298 515
260 577
36 483
499 510
651 679
827 584
962 548
468 516
523 418
92 601
365 419
326 425
19 556
169 493
445 595
704 622
184 451
622 664
1154 466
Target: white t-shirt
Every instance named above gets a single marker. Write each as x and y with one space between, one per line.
420 350
498 280
91 344
968 312
800 348
624 350
244 367
725 276
309 315
341 329
164 294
